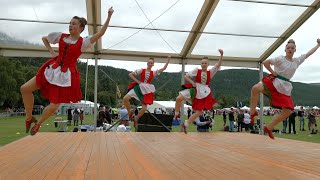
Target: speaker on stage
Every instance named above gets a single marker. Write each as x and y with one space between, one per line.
147 123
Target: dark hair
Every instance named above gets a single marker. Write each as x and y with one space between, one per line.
291 41
151 59
205 57
83 21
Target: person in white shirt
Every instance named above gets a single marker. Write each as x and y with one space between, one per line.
246 120
277 85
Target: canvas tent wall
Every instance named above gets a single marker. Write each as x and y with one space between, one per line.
88 107
167 106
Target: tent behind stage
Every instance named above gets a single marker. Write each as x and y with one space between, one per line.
167 106
88 106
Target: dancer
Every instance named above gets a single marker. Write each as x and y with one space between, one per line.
277 85
59 79
142 90
198 93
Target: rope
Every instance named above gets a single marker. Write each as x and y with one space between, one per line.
156 29
143 27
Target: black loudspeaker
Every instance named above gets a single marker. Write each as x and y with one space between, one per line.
147 123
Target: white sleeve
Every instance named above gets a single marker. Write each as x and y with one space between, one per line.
193 72
54 37
213 71
156 72
301 59
276 61
137 71
86 44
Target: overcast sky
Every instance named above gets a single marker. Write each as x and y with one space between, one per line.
229 17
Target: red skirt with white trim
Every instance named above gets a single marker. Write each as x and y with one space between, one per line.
276 99
203 104
56 94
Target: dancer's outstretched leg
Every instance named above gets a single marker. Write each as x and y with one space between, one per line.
192 118
126 103
275 120
255 92
141 112
27 90
179 99
47 112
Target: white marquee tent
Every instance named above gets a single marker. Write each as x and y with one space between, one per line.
167 106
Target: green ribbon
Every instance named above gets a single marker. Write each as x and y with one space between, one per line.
138 92
283 78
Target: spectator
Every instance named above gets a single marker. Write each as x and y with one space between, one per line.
101 116
76 115
189 112
202 124
240 119
292 121
231 120
312 119
301 118
246 120
123 116
224 116
284 125
81 115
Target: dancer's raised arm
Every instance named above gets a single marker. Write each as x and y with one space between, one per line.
99 34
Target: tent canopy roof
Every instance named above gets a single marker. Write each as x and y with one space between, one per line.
249 31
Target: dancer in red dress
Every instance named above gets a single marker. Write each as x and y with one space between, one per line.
198 93
59 79
277 85
142 90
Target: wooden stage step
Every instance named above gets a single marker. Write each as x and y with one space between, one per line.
158 155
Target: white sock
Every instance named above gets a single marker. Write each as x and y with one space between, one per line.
186 123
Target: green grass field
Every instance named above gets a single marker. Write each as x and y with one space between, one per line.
13 128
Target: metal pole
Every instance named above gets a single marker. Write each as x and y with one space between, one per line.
95 114
86 88
261 100
182 103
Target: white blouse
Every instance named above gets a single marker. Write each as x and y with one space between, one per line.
145 87
54 38
285 68
203 90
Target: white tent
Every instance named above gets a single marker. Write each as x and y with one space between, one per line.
167 106
245 108
315 107
297 107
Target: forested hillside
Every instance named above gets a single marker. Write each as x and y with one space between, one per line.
229 86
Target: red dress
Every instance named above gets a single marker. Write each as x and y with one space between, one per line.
67 59
205 103
276 99
145 95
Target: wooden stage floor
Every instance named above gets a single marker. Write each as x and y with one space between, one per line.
158 156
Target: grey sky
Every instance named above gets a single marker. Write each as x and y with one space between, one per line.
229 17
